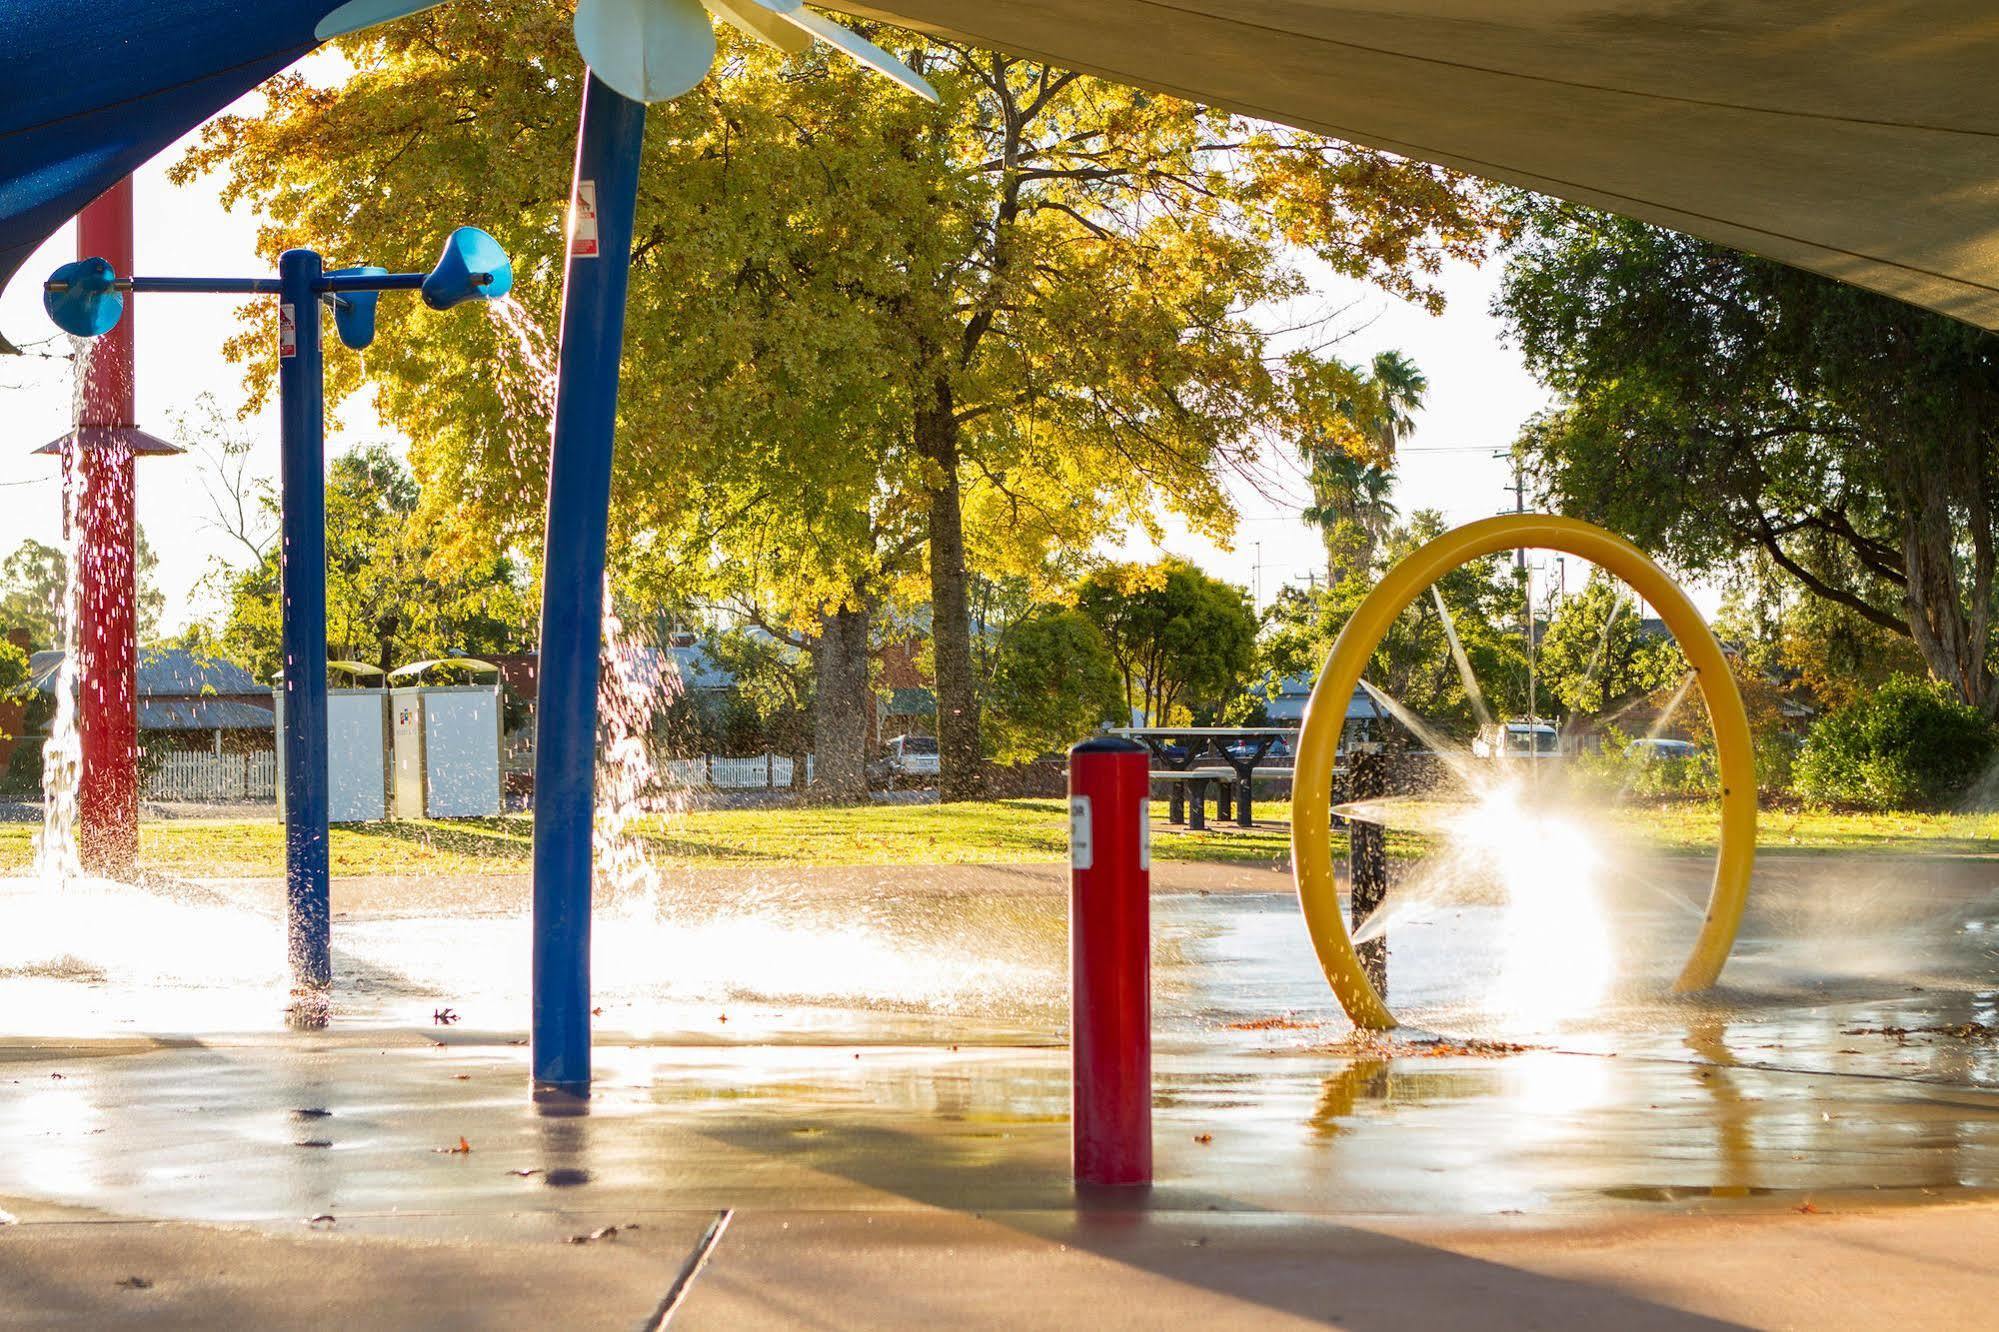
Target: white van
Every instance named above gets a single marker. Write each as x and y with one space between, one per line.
1518 739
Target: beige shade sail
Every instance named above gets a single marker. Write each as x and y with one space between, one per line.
1860 140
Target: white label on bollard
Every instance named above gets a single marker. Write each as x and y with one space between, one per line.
583 223
1081 853
287 330
1145 836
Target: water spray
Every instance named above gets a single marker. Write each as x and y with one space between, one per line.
1318 742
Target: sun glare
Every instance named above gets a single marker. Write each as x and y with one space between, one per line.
1554 938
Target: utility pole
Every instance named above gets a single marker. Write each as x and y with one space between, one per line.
1256 574
1526 579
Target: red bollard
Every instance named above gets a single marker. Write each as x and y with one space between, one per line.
1110 961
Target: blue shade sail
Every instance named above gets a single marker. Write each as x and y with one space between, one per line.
90 89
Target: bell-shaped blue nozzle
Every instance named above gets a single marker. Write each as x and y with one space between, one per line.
472 265
83 298
354 311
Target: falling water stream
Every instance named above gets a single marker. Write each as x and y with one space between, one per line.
58 859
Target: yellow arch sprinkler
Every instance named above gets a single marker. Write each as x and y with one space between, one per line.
1312 793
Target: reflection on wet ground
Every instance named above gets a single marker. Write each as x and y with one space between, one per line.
903 1041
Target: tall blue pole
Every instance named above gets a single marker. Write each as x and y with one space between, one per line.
302 480
601 202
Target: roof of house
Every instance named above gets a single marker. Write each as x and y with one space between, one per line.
204 714
1289 706
167 673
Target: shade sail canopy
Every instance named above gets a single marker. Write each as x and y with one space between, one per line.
1846 136
89 89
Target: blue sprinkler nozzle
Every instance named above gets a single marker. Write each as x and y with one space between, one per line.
472 266
83 298
354 311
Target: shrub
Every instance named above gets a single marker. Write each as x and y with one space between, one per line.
1908 745
1612 770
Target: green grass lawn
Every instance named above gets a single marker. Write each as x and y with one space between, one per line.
990 832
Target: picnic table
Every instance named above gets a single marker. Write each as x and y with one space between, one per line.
1190 759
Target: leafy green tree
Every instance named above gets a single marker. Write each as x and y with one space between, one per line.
1595 656
1183 643
33 579
1818 650
13 673
390 599
31 593
1014 322
1054 682
1717 405
774 685
1414 663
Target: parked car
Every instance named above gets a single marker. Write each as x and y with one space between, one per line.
1243 750
1648 751
1518 740
907 760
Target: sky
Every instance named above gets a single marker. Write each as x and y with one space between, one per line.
1479 394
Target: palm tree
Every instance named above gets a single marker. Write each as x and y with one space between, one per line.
1350 505
1398 391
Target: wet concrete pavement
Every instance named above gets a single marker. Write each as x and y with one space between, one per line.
1817 1144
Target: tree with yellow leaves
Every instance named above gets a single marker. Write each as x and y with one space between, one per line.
872 345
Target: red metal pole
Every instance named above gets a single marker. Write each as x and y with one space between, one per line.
107 719
1110 961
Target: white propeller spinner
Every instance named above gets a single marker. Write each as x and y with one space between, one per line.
655 50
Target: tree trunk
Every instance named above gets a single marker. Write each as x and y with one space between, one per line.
840 708
1933 603
960 752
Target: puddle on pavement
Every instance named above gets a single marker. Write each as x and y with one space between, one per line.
1852 1047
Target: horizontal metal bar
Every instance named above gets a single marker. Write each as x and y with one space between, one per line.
216 286
269 286
371 282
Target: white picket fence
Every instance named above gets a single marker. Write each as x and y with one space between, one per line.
718 772
205 775
760 772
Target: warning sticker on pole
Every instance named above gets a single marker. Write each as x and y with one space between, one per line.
287 330
1082 854
583 221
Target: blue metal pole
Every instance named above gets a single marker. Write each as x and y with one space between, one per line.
302 478
579 499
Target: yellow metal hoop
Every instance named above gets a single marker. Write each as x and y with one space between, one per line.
1312 785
